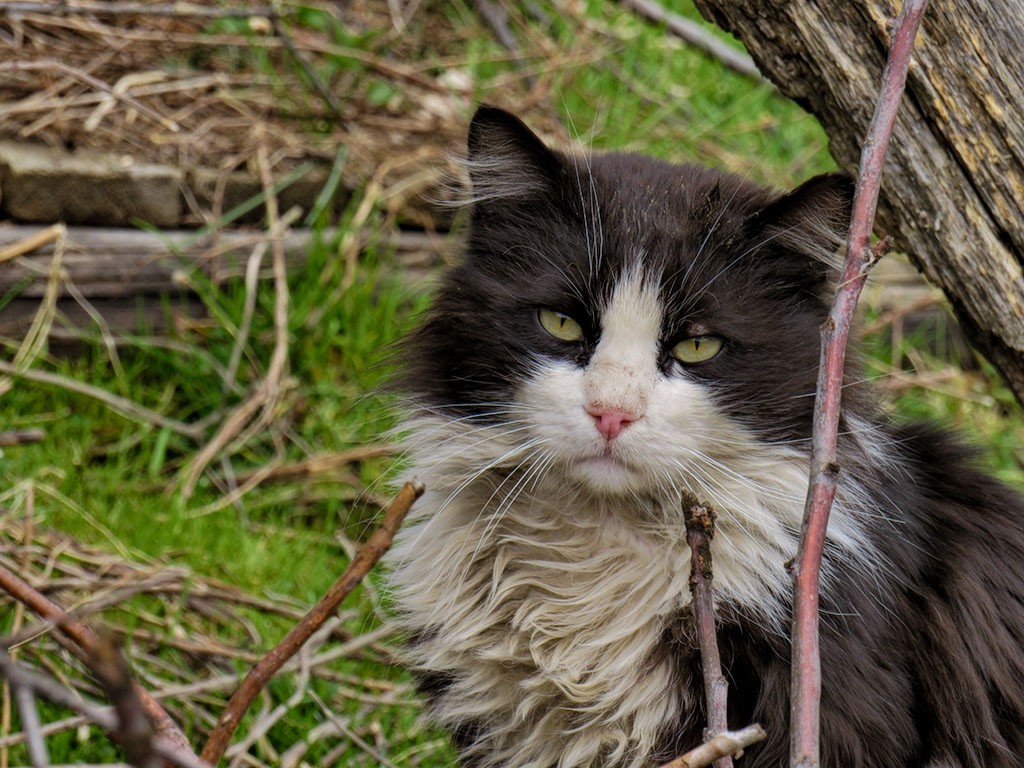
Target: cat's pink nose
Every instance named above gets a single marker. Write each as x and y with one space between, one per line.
610 423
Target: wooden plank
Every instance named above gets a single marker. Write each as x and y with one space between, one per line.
133 279
126 262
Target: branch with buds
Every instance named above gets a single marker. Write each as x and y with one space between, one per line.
860 256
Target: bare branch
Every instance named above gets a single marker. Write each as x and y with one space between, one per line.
89 642
806 681
52 691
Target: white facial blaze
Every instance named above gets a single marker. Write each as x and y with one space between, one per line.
623 369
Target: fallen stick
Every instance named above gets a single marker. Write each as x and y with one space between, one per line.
264 670
698 37
725 743
21 437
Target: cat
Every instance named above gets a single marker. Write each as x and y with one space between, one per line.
622 332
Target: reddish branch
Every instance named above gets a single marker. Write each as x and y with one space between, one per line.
806 682
326 607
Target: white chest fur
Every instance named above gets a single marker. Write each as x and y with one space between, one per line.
548 625
545 606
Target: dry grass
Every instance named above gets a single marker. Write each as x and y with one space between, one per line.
191 90
190 640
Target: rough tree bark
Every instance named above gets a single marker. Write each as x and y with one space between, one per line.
953 188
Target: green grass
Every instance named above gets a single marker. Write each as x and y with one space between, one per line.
111 481
115 483
654 95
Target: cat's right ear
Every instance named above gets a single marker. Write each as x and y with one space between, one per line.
508 161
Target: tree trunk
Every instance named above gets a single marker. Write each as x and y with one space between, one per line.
953 189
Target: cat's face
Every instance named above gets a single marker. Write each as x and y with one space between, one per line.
630 320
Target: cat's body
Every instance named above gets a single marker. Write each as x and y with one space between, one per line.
623 330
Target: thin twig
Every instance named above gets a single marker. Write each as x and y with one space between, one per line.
497 19
268 666
21 437
120 405
351 735
325 92
806 668
322 463
33 241
726 743
108 664
700 528
46 729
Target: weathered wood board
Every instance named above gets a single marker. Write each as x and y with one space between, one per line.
953 189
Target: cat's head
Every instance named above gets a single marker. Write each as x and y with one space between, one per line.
622 313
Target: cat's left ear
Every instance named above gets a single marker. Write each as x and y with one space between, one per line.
507 161
812 220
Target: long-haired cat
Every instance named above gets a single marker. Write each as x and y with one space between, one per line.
621 331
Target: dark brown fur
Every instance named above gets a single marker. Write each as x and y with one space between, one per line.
923 660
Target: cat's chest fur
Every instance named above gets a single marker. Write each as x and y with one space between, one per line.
549 621
548 610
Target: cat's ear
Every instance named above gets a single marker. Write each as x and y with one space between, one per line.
813 218
806 229
508 161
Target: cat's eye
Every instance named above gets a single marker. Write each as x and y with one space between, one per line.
697 349
560 326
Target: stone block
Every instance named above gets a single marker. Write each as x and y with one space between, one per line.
45 184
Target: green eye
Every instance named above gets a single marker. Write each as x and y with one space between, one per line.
697 349
560 326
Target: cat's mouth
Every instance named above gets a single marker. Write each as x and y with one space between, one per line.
607 471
